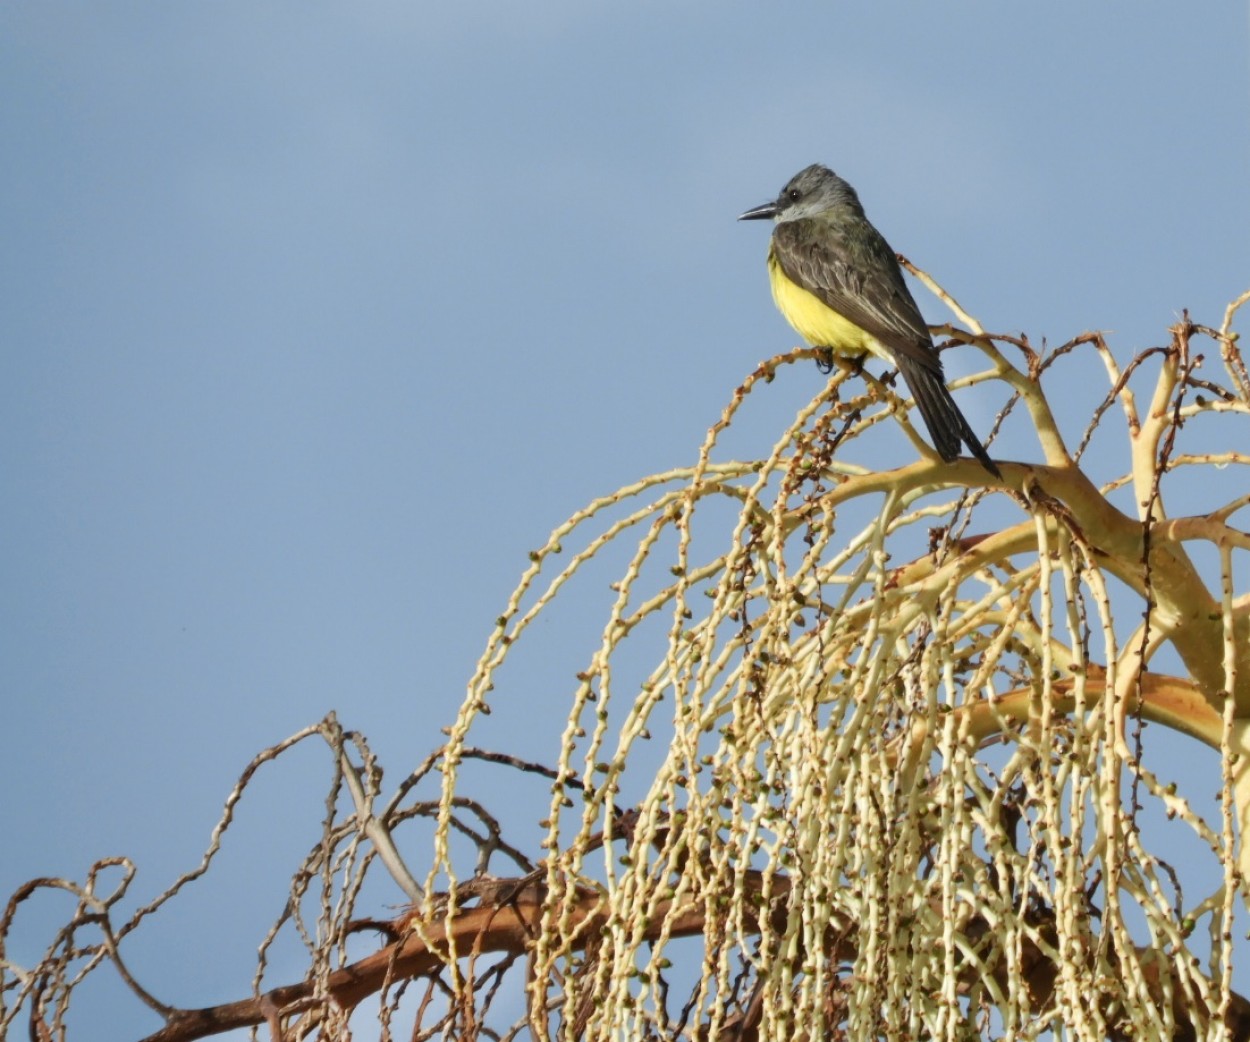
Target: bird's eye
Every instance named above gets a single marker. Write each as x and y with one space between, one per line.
794 194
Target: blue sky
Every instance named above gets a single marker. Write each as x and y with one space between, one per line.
316 318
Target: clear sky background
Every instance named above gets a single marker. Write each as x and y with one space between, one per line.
316 318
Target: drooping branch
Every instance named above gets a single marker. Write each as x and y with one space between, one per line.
866 723
422 948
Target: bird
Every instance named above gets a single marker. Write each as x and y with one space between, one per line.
839 284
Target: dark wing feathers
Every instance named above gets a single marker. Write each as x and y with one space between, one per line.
852 269
863 285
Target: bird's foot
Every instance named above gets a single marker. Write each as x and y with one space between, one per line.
827 358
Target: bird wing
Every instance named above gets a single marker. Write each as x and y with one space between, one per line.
858 276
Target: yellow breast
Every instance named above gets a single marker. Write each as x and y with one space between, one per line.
813 319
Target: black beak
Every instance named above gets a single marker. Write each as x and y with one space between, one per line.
759 213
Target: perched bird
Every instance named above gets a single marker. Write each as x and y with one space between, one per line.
839 284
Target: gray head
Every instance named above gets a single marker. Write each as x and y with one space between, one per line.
814 190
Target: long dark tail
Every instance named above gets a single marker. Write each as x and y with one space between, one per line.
947 426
